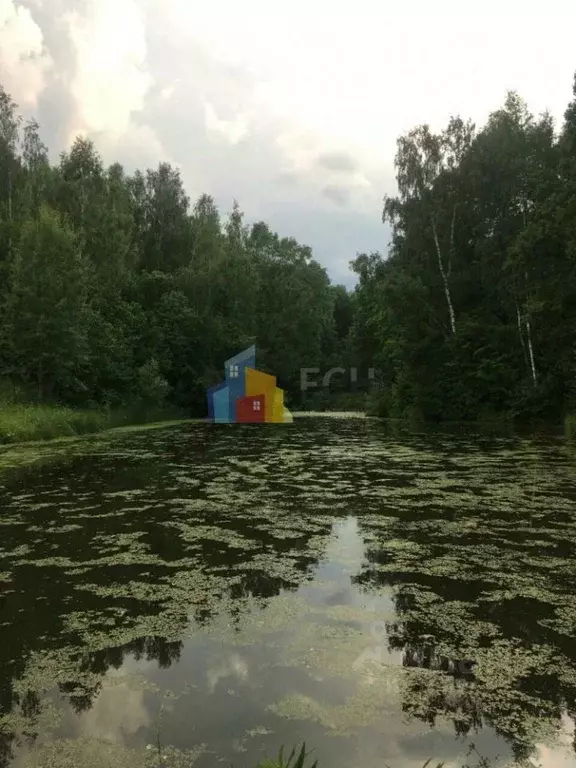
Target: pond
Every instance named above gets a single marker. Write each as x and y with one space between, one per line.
202 594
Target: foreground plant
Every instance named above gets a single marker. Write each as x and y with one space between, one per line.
292 761
299 761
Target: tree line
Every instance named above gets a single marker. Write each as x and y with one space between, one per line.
473 312
115 289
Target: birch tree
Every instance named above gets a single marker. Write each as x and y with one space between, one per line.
422 160
10 122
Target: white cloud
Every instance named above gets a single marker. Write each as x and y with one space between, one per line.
560 755
169 90
360 74
232 131
137 148
233 667
110 81
117 711
245 98
23 60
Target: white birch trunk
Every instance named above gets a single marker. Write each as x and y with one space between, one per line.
519 321
451 253
444 279
529 339
531 351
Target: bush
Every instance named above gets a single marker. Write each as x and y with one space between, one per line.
151 386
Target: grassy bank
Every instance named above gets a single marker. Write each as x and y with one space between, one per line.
23 423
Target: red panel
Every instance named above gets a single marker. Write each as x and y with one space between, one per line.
250 409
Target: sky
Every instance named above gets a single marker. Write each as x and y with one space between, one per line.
292 109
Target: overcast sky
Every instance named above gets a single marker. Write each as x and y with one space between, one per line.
292 108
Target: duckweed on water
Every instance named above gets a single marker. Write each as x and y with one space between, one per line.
236 560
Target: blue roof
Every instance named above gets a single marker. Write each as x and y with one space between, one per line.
246 358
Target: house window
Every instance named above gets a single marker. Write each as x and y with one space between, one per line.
256 405
234 371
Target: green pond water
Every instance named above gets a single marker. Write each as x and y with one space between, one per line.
201 594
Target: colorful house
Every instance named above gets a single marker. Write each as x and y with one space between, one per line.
247 396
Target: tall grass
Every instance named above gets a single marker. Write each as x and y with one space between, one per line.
21 423
570 426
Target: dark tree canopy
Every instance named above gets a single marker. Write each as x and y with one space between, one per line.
473 312
116 289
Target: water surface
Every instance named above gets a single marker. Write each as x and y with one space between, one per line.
201 594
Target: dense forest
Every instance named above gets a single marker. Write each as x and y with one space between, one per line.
473 312
115 289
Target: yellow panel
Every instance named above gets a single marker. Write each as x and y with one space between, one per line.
277 415
258 383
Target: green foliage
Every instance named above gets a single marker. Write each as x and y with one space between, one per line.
473 313
429 764
298 760
46 311
294 760
21 423
116 294
151 385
